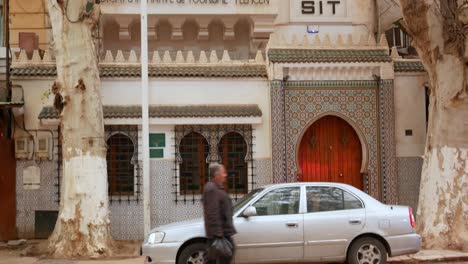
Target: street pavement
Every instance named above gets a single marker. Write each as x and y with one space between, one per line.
13 256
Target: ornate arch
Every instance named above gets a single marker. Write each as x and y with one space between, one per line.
357 129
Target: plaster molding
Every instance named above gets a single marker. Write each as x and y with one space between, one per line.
366 42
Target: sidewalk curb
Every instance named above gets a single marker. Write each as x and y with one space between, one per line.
432 260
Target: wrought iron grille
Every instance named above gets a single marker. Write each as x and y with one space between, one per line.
233 151
238 159
194 151
58 185
123 165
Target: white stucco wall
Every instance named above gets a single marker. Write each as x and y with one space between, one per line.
198 91
410 113
352 17
168 92
34 99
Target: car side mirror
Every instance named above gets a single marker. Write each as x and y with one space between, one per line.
249 212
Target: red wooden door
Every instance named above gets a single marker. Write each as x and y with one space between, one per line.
7 189
330 151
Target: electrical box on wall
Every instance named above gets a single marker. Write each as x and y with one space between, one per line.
22 148
43 148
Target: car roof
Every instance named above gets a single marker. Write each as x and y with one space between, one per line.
307 183
369 199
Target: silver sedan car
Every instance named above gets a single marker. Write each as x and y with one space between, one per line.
298 222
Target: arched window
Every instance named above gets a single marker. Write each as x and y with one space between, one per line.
190 30
194 151
135 30
216 29
111 34
164 30
120 167
233 150
242 30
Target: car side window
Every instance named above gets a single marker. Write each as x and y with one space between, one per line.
351 202
281 201
324 199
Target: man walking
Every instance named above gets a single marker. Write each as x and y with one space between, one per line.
217 208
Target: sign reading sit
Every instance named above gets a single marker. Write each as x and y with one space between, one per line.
316 7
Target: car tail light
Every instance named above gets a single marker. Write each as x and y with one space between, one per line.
411 217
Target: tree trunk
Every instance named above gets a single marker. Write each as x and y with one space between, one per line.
440 39
82 228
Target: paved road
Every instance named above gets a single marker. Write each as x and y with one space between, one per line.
13 257
23 260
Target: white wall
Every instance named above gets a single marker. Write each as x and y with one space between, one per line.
198 91
410 113
352 17
172 92
35 99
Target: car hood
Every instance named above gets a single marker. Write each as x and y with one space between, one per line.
194 223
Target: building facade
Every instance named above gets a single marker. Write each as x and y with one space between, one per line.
278 91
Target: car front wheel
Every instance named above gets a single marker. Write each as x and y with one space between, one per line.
367 250
193 254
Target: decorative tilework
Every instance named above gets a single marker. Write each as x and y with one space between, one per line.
409 178
332 84
263 171
165 210
304 104
126 220
29 201
277 130
387 143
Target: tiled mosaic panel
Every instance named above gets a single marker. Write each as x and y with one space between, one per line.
387 136
29 201
358 104
409 178
277 130
165 210
126 218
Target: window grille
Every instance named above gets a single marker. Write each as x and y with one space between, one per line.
123 165
233 151
237 148
194 151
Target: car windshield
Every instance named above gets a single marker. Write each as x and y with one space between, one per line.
246 199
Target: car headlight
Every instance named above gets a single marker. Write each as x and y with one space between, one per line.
155 238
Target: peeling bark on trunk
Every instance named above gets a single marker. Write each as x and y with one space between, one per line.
440 39
82 228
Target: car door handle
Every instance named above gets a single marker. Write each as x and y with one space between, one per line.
355 221
292 224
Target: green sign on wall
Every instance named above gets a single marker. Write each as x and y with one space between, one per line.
157 140
157 143
156 153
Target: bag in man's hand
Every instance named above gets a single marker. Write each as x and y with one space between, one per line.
221 247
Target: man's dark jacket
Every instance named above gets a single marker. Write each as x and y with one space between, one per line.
217 209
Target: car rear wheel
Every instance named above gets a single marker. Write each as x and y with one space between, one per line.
367 250
193 254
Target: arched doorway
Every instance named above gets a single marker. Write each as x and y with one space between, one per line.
330 151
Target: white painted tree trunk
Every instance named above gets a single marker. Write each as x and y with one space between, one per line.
82 228
440 39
